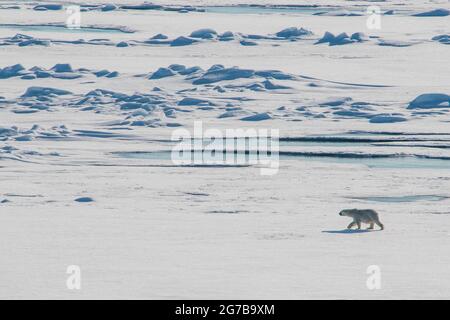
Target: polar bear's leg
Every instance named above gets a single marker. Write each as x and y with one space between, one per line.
379 224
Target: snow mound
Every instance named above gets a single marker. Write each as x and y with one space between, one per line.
162 73
204 34
335 102
359 36
182 41
226 36
248 43
394 43
105 73
275 74
386 118
144 6
122 44
258 117
84 199
433 13
443 38
11 71
221 74
193 102
218 72
159 36
430 100
172 70
44 7
177 67
34 42
232 114
109 7
62 71
136 106
293 32
342 38
339 13
66 76
269 85
15 133
352 114
190 71
62 67
43 91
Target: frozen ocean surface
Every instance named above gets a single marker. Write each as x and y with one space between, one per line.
87 118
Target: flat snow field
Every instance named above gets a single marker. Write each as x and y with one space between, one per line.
87 116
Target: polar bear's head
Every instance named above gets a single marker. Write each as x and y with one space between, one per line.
345 212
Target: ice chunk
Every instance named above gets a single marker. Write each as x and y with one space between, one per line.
335 102
11 71
359 36
226 36
101 73
192 102
159 36
394 43
28 77
177 67
62 67
109 7
224 74
42 91
84 199
43 7
32 42
292 32
162 73
258 117
182 41
276 74
443 38
271 86
248 43
144 6
204 34
340 39
430 100
433 13
386 118
190 70
112 74
66 75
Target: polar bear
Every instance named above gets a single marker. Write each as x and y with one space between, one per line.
362 215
